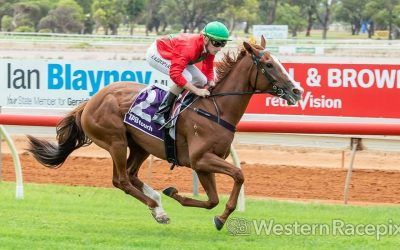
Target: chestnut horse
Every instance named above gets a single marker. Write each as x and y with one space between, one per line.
202 144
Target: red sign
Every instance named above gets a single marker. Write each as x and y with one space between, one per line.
351 90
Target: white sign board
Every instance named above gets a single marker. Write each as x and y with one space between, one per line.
65 84
271 31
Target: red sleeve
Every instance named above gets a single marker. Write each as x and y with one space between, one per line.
178 65
208 67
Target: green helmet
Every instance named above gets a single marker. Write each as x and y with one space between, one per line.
217 31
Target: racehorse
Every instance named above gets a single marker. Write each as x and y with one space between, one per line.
202 144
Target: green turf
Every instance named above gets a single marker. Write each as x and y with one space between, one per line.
61 217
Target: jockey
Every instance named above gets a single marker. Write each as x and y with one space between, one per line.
175 55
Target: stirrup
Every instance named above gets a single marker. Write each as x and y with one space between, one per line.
158 118
168 123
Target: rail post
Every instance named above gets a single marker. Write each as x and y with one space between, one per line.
19 193
355 144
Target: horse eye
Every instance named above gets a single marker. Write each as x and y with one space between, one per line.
269 65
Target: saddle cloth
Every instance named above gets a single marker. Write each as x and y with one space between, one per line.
146 105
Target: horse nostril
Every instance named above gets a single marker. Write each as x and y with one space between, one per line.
297 91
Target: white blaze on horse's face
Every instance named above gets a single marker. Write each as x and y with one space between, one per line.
284 71
292 91
279 80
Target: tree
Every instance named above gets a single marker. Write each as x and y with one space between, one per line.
271 16
191 14
268 10
108 14
27 14
351 11
86 5
240 11
290 15
88 22
134 10
6 9
6 22
308 8
323 13
250 16
67 17
388 13
151 8
368 15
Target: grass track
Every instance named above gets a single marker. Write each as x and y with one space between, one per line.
61 217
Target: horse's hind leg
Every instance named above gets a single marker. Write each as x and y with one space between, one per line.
207 180
118 151
102 122
136 158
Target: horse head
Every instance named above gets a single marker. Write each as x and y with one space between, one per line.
276 80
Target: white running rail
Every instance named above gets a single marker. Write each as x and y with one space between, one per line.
19 194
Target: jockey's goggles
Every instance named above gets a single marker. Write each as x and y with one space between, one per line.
217 44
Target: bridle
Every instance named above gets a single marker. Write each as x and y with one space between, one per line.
276 90
216 118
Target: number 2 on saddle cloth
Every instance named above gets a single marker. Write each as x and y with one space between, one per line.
145 106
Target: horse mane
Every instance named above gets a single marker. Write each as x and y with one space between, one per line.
229 59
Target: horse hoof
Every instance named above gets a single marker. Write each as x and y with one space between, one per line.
170 191
218 223
160 216
162 219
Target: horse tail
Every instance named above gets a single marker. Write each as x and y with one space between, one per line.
70 136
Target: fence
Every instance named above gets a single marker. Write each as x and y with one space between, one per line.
309 127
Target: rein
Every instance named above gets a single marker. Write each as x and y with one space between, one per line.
243 93
216 118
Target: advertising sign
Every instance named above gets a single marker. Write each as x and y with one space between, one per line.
337 90
63 84
351 90
271 31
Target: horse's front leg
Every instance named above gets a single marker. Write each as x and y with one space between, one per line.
211 163
207 181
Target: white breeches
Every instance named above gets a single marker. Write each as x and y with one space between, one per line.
191 73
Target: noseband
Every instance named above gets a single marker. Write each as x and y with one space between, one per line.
261 67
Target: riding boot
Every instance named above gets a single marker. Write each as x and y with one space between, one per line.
162 113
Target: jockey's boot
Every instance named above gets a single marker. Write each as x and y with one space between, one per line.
162 113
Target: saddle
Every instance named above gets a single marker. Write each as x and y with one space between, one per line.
143 109
183 101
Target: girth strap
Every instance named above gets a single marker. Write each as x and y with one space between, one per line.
170 149
216 119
